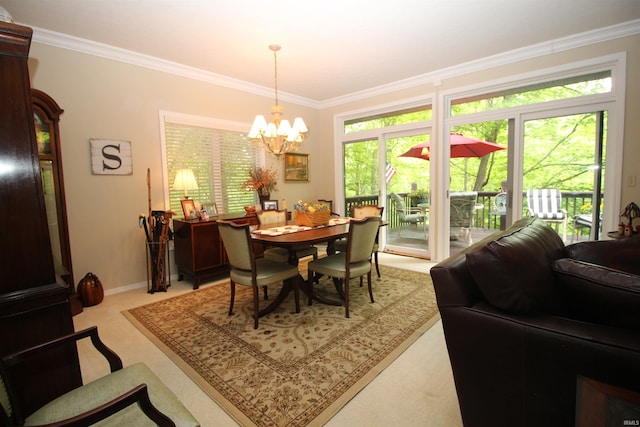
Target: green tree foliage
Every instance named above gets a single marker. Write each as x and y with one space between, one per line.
558 151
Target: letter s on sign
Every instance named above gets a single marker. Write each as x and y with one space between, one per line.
111 157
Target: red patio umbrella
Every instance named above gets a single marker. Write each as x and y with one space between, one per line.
461 146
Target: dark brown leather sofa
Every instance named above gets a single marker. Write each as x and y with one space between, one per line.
524 317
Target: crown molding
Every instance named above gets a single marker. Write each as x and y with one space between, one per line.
101 50
574 41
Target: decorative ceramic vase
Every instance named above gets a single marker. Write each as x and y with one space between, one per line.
90 290
628 230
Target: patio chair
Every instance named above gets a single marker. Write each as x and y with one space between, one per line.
246 270
462 205
359 212
355 262
546 204
407 215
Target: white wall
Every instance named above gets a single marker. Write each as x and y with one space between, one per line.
109 99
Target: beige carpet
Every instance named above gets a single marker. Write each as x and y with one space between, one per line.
295 369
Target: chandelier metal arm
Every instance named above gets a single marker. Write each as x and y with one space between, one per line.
277 137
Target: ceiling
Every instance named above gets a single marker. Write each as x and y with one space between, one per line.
330 49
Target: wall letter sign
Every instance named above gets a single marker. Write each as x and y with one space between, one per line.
111 157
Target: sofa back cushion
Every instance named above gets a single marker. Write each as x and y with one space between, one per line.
513 272
599 294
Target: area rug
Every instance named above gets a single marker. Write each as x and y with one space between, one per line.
296 369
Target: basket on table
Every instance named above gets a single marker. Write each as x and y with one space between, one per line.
312 219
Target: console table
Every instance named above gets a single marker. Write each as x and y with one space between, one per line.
199 252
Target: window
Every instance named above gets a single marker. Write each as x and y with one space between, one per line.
570 87
380 121
218 157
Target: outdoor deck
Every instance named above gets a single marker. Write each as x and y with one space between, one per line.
485 218
415 238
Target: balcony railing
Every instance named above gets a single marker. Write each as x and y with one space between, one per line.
571 201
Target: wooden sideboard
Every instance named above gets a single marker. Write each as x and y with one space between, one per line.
199 252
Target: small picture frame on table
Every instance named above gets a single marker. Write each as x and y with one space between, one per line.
189 209
296 167
269 204
211 208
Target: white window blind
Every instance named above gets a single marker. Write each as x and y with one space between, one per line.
219 159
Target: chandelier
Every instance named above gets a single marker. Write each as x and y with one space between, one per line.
277 137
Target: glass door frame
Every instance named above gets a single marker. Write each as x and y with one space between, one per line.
382 162
611 176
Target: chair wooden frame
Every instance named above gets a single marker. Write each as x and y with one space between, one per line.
23 359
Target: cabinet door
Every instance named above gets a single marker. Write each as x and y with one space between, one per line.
207 245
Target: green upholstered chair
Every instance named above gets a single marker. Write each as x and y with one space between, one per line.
273 216
359 212
246 270
131 396
353 263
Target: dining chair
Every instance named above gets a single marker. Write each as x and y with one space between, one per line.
246 270
354 262
359 212
330 203
274 216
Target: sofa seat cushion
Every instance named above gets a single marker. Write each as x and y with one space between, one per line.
514 271
599 294
107 388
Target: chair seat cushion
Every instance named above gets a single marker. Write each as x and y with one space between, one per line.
267 272
550 215
109 387
414 217
335 266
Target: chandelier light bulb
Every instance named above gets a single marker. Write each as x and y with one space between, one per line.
277 137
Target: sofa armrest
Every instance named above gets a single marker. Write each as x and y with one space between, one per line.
620 254
600 294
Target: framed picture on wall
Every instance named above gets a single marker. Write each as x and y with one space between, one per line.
296 167
270 204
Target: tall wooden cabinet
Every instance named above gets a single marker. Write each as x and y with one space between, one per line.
33 307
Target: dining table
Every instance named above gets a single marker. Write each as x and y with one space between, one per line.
291 237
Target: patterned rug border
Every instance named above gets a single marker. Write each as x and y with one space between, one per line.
237 413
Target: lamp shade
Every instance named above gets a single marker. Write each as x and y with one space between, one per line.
185 180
